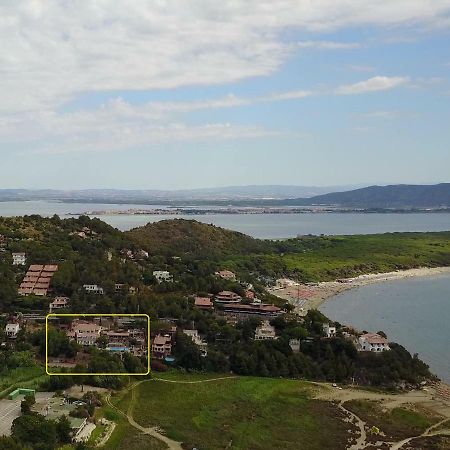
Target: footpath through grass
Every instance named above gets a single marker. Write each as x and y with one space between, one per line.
240 413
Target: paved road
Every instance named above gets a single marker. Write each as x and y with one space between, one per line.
9 410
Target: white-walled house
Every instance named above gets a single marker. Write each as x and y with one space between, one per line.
163 276
19 259
59 303
265 331
295 345
12 330
372 342
93 289
329 331
198 341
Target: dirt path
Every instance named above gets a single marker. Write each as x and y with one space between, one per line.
427 433
430 399
361 440
192 382
152 431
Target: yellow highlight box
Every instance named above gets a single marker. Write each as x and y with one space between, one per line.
96 315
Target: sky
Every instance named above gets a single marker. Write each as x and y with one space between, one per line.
190 94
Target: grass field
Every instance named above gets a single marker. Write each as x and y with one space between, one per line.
329 258
240 413
29 377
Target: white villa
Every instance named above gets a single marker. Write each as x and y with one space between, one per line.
372 342
19 259
265 331
93 289
329 331
163 276
11 330
295 345
197 340
59 303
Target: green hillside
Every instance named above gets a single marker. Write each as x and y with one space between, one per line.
179 237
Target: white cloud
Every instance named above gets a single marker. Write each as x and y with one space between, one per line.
55 49
378 83
328 45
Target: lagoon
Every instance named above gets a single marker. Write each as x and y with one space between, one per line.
264 226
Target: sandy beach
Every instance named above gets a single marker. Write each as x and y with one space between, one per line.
310 296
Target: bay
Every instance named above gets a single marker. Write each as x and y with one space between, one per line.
414 312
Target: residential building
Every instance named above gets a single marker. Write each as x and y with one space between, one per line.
19 259
227 297
93 289
117 337
203 303
37 279
59 303
295 345
163 276
12 330
198 341
243 312
265 331
226 275
329 331
161 346
83 326
86 338
372 342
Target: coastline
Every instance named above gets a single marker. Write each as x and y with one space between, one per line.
304 297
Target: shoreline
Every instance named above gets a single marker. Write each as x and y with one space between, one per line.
305 297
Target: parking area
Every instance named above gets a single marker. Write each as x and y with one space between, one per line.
10 409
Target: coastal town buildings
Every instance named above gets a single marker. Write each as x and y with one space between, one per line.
163 276
12 330
37 279
19 259
265 331
372 342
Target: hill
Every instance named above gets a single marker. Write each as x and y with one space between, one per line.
392 196
179 237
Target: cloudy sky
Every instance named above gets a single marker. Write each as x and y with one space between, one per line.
184 94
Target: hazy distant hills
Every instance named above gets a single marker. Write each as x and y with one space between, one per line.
400 196
393 196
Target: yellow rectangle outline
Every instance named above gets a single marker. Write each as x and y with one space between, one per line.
96 315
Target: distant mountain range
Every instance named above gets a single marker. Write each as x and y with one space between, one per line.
392 196
398 196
